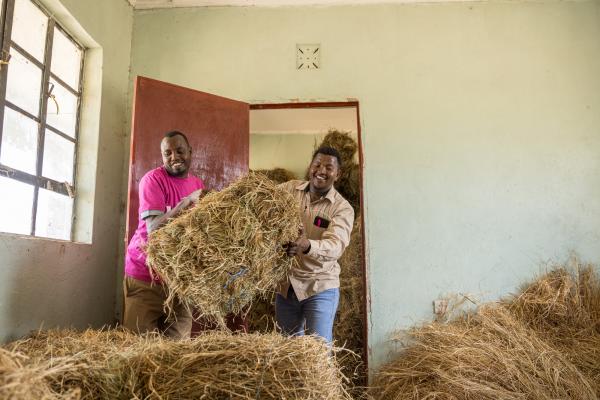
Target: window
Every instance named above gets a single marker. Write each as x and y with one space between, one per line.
40 96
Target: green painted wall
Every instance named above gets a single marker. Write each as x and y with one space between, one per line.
51 283
480 122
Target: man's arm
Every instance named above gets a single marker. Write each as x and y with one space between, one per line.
333 241
153 222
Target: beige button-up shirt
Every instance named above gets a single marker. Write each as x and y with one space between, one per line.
318 270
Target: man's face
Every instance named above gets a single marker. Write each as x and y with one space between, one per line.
176 155
323 172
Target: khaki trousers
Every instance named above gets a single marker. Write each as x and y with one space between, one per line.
144 310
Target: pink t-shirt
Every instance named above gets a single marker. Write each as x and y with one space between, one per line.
159 193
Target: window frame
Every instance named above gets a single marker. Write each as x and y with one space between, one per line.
38 180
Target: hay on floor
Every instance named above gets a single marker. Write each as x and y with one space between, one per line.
486 355
542 343
227 249
563 308
20 381
277 175
215 365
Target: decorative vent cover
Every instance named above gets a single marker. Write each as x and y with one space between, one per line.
308 56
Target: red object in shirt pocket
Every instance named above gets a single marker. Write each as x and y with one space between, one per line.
320 222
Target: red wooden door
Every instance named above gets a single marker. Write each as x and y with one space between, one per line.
217 128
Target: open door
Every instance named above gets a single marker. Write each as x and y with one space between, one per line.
217 128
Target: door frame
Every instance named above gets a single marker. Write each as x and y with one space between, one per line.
343 104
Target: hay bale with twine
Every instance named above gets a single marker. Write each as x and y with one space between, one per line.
485 355
563 308
227 249
215 365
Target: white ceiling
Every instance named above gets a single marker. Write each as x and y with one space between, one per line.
146 4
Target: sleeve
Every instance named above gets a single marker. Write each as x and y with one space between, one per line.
335 239
152 197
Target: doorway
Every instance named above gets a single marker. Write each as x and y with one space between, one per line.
283 138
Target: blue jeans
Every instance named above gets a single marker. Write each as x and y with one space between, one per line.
316 312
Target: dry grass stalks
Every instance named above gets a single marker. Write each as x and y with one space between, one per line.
215 365
277 175
20 381
485 355
344 143
563 308
348 327
261 317
227 250
101 357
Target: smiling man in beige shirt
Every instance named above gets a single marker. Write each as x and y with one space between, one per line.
307 301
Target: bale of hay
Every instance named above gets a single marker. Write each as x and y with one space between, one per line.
20 381
485 355
227 249
215 365
563 308
277 175
101 357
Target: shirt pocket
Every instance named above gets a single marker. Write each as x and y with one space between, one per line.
320 221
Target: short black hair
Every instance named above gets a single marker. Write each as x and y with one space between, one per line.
171 134
328 151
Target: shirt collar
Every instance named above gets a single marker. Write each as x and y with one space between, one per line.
304 186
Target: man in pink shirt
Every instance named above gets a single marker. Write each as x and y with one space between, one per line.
164 193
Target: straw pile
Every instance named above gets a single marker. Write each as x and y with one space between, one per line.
486 355
227 249
277 175
214 365
563 308
543 343
348 327
19 381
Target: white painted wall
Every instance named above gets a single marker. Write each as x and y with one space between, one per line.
481 127
286 138
52 283
287 150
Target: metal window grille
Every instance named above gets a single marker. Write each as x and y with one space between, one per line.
51 82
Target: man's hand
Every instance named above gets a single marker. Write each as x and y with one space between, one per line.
195 196
300 245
